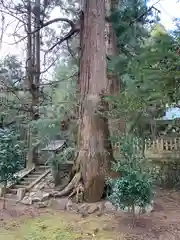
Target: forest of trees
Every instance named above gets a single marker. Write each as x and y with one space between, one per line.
106 70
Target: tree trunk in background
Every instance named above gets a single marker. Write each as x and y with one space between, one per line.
112 51
111 47
95 150
33 77
36 92
28 82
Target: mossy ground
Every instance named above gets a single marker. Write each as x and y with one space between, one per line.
58 226
20 222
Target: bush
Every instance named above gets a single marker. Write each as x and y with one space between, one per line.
167 173
132 190
134 187
10 156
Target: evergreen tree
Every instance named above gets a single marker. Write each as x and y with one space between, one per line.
147 64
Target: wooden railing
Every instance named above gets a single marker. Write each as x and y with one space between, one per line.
160 145
166 148
160 148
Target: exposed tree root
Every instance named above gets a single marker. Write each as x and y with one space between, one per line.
79 191
67 190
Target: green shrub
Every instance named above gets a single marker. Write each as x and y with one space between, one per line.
10 156
167 173
132 190
134 187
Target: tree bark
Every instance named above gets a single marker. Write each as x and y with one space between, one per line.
111 47
33 72
36 92
95 150
28 83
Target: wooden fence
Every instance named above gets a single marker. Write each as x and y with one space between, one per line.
165 148
160 148
163 144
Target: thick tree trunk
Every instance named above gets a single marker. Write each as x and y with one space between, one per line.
94 148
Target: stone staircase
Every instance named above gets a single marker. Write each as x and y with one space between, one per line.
31 181
27 181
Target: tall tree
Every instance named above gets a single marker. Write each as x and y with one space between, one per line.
112 53
94 147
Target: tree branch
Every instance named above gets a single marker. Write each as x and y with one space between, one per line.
145 12
65 38
71 23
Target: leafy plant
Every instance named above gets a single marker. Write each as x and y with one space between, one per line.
167 173
134 187
10 157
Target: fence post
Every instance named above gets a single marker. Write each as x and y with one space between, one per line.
161 144
175 144
29 158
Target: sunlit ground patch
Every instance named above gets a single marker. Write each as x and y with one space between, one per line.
59 226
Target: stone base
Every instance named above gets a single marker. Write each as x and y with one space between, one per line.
21 193
2 191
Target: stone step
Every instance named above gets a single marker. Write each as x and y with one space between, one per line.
31 176
12 191
34 176
19 186
40 169
26 182
43 166
30 179
37 172
25 179
10 196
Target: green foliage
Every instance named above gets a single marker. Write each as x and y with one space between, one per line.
126 104
134 187
148 65
129 21
150 82
147 80
11 70
10 156
61 107
47 128
156 69
167 173
132 190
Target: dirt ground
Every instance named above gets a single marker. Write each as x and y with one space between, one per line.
162 224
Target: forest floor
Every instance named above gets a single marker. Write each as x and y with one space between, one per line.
20 222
